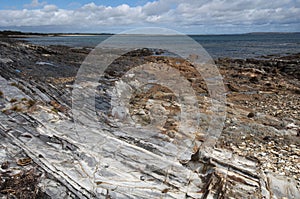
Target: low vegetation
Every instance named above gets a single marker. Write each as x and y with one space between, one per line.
31 103
14 84
13 100
18 86
16 108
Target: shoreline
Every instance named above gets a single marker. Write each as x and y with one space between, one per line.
57 35
17 34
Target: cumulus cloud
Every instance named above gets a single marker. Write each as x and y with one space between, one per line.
35 3
167 13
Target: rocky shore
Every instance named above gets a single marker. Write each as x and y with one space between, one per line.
42 156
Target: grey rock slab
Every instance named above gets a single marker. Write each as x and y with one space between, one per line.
6 60
282 187
94 160
11 92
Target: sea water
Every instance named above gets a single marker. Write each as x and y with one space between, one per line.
255 45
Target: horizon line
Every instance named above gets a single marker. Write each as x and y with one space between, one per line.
16 33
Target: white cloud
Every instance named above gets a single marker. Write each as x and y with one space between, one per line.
158 7
35 4
177 14
50 8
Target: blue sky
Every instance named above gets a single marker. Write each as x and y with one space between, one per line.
187 16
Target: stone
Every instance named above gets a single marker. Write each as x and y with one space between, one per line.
110 158
251 115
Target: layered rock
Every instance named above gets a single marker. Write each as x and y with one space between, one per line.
257 154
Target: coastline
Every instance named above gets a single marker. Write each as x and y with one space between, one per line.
262 124
18 34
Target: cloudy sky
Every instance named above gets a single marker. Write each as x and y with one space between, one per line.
187 16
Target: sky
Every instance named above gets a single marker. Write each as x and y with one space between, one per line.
186 16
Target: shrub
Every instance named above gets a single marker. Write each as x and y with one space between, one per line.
13 100
16 108
31 103
54 110
14 84
18 86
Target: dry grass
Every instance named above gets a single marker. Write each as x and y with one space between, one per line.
21 185
54 110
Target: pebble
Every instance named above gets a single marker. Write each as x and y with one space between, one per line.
171 133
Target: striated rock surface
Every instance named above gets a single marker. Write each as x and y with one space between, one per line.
45 154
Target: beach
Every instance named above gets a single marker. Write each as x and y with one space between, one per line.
256 154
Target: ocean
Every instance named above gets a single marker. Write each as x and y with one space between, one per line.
243 46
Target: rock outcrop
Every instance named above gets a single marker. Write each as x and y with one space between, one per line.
44 152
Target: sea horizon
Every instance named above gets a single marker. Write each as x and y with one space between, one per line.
112 33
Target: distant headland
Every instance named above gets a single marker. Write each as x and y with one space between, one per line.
19 34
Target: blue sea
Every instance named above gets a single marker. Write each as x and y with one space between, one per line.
243 46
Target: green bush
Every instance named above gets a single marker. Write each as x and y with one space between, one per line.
31 103
16 108
13 100
14 84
